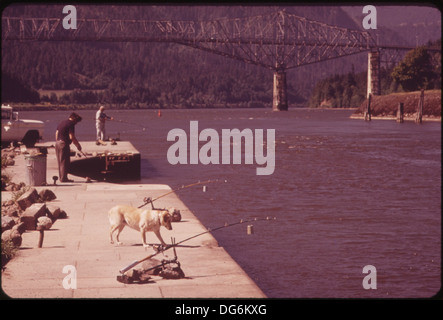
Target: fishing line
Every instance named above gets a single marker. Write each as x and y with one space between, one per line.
131 123
148 200
141 127
133 264
127 122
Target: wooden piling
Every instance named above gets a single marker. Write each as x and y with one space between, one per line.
41 229
368 109
400 113
419 113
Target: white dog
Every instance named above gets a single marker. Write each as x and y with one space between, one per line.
140 220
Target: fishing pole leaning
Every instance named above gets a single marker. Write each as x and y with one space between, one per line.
148 200
161 250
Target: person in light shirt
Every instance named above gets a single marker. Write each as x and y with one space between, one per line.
100 120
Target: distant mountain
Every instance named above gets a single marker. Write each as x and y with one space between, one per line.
414 24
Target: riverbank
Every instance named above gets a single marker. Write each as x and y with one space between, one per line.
385 107
113 106
82 242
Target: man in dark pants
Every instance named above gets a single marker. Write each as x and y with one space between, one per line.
64 136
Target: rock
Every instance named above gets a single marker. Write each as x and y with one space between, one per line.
27 199
172 271
11 211
30 216
7 223
12 187
9 162
8 153
175 214
47 195
8 158
20 227
12 235
8 203
62 215
53 212
44 222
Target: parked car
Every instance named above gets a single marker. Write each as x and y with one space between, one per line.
16 130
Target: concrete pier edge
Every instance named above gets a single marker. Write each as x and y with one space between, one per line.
81 243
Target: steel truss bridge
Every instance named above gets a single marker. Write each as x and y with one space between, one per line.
278 41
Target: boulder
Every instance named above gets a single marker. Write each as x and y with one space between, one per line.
30 216
63 214
9 162
12 235
8 203
44 223
20 227
27 199
10 210
175 214
53 212
12 187
47 195
7 223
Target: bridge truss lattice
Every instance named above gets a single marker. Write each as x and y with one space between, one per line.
276 41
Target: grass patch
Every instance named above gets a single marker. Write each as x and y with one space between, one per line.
387 105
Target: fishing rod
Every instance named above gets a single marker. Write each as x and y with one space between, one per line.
84 154
151 201
136 262
131 123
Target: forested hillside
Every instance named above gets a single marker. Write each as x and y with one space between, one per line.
419 69
157 74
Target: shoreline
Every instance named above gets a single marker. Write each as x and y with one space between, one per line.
21 108
41 107
394 118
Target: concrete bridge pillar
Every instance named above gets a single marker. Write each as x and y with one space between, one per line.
280 97
373 73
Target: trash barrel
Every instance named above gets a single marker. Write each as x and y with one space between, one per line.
36 169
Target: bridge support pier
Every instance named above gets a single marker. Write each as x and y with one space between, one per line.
280 97
373 73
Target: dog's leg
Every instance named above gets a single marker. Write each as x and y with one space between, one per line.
157 233
113 228
143 233
119 229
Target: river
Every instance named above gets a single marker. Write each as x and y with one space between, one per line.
345 194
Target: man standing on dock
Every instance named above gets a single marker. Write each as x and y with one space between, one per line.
64 136
100 119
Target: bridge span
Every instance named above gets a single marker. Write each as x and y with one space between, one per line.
277 41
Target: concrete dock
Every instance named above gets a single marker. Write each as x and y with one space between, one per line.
111 162
81 241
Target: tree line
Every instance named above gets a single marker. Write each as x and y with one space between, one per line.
161 74
420 69
128 77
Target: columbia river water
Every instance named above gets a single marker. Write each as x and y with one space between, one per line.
345 194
